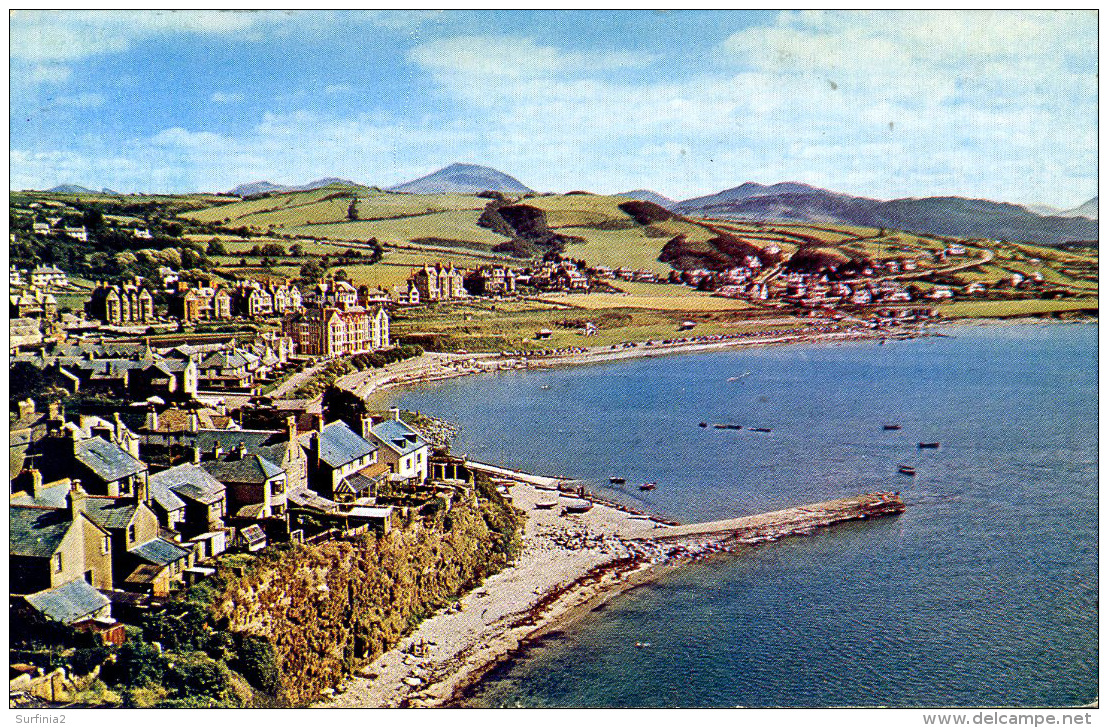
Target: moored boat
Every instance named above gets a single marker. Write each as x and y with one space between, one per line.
760 429
648 486
892 427
576 505
907 469
617 480
929 446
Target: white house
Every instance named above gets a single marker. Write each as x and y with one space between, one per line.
401 447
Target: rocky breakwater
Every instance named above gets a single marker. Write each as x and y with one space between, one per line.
788 522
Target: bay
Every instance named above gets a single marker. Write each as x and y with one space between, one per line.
983 593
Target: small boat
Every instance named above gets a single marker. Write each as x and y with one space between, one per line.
720 427
907 469
616 480
760 429
929 446
648 486
892 427
734 427
546 505
703 424
577 505
641 645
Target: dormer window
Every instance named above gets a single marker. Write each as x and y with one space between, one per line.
57 560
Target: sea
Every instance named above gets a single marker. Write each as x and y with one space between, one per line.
983 593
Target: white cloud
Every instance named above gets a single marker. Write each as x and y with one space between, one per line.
502 56
86 100
48 73
340 88
50 36
881 104
404 20
228 97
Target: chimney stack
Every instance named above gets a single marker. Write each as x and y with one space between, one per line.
193 421
77 498
26 408
54 410
36 482
151 418
394 413
290 427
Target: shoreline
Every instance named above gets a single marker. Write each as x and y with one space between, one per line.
439 366
570 563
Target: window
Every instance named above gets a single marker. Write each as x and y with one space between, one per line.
131 533
106 546
57 559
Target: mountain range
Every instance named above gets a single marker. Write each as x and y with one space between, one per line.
954 216
787 201
259 188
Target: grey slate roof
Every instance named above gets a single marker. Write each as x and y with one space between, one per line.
69 602
398 437
249 469
206 440
50 497
360 483
36 531
189 481
165 498
111 513
107 460
159 551
304 498
339 445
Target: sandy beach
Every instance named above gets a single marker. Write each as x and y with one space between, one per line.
568 561
436 366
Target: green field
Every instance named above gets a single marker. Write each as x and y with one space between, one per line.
491 326
1007 309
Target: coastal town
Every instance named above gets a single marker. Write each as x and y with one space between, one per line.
177 424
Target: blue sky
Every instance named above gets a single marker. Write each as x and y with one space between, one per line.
883 104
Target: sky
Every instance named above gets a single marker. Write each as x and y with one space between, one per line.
994 104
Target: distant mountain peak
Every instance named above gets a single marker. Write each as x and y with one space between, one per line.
649 196
1090 209
260 188
464 179
72 189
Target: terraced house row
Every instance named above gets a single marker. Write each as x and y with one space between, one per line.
112 514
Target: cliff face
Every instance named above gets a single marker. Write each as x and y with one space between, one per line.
327 609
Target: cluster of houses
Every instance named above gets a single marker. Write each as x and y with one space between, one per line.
43 276
55 226
136 371
333 322
247 299
117 511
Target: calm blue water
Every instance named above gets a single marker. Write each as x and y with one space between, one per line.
983 593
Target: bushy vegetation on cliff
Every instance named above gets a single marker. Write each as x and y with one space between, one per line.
327 609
